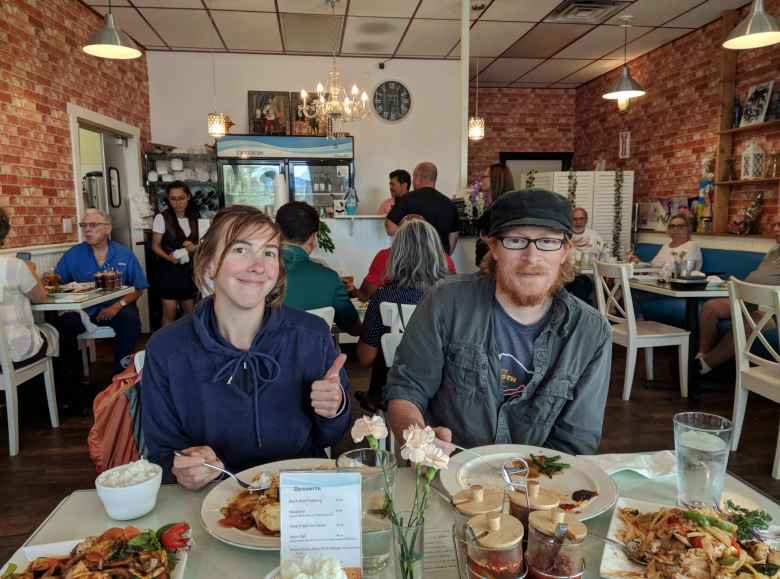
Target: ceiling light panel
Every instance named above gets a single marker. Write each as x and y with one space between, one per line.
167 4
387 9
553 70
706 13
130 21
508 69
377 36
546 39
249 30
519 10
184 28
430 38
311 6
654 12
248 5
312 33
591 71
648 42
599 41
444 9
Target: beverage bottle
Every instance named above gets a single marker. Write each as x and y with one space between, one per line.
351 202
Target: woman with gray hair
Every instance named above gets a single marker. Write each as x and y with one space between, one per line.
417 263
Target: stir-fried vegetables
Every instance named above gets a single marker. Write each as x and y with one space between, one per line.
696 544
118 552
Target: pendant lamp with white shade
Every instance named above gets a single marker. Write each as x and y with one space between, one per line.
476 123
757 30
626 87
111 42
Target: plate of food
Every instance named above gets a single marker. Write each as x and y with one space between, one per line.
584 488
122 552
251 520
699 544
72 291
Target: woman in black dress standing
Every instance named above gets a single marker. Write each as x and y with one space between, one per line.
174 229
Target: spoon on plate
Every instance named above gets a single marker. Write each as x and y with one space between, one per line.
264 483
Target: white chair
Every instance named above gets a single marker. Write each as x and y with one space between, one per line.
754 373
11 378
328 314
390 317
86 343
629 332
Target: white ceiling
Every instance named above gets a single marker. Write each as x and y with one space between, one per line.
515 40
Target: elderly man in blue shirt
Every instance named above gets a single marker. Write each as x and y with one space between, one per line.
80 263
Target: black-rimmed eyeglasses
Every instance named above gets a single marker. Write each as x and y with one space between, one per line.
541 243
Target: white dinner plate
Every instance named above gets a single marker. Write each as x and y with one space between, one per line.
223 493
26 555
466 469
614 562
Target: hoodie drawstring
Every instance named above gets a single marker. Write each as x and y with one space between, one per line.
262 370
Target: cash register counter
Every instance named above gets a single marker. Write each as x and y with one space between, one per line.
358 238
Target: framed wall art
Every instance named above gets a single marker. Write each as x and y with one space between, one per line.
269 113
756 103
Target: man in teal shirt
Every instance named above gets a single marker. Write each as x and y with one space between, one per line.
310 284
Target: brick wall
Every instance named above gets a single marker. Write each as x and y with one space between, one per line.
42 68
521 119
673 127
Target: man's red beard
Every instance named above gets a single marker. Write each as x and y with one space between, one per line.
514 287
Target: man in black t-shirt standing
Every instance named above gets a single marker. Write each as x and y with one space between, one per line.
435 207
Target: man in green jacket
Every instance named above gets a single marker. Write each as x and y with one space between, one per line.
507 355
310 284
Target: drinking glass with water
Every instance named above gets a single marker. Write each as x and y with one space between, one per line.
702 442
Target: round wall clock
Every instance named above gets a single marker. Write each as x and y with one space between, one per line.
392 100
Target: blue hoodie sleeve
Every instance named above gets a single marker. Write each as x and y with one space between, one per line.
329 431
162 426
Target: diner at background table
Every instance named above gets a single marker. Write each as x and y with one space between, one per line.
680 243
399 184
496 180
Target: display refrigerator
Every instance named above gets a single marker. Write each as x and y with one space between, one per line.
317 169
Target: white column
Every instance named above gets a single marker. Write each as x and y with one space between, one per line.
464 93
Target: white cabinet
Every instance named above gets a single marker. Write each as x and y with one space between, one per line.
596 194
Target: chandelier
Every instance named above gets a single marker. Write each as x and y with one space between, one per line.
333 103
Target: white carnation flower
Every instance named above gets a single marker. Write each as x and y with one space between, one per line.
369 426
435 457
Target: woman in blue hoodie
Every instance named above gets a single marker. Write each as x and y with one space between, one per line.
243 380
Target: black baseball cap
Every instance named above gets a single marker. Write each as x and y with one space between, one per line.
531 207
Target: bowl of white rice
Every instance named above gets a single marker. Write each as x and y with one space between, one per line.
129 491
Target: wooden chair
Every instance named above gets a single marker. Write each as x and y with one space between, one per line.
629 332
12 377
755 373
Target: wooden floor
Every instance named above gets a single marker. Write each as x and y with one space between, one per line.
53 463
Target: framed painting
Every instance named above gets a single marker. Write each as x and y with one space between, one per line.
756 103
269 113
300 125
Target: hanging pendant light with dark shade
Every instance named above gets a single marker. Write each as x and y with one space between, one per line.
111 42
757 30
626 87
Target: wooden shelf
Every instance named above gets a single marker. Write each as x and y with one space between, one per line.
748 128
746 181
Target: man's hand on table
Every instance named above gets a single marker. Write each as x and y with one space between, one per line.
109 312
189 470
444 439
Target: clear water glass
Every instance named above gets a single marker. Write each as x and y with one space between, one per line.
377 469
701 442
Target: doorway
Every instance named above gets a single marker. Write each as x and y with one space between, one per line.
519 164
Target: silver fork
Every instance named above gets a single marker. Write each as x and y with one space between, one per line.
250 487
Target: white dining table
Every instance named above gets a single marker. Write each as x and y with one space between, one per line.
81 514
99 297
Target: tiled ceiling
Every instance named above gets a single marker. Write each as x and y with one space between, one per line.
518 43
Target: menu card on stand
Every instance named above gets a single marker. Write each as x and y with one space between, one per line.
321 518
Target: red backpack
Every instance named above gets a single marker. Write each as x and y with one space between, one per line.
116 438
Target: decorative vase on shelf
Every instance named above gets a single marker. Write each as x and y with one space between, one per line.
753 158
